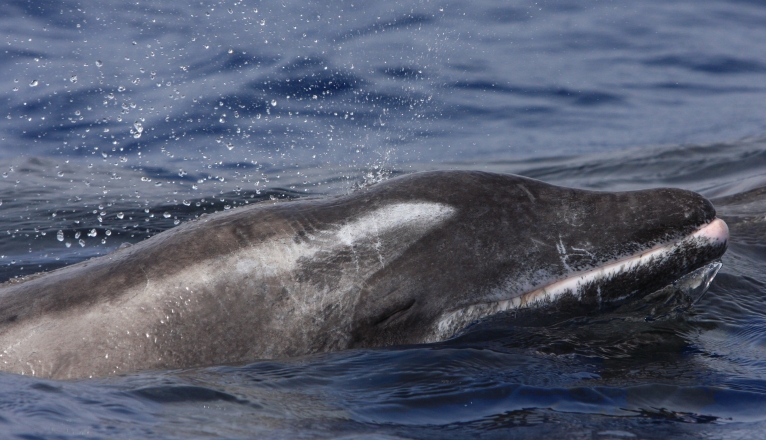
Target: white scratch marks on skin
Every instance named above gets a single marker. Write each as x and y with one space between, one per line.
146 286
529 194
584 251
451 322
538 244
562 249
564 255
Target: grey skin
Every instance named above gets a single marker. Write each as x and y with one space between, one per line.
377 267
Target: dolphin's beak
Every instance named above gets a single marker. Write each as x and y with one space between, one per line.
711 235
715 231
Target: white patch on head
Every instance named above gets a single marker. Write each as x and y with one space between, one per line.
393 228
416 218
407 221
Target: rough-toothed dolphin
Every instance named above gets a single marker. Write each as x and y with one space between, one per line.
411 260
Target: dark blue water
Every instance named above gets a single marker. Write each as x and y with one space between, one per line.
119 120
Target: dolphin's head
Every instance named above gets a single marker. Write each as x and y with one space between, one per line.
511 242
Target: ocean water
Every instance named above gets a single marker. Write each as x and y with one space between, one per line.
122 119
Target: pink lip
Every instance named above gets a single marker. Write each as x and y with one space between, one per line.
716 230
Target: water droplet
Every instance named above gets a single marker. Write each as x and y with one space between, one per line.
273 102
139 129
81 242
231 11
60 235
99 63
166 215
176 222
108 232
73 78
34 83
77 235
68 244
120 215
92 233
186 203
230 146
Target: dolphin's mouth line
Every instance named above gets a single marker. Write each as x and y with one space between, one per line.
714 233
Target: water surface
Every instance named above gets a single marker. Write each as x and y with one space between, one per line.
119 120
